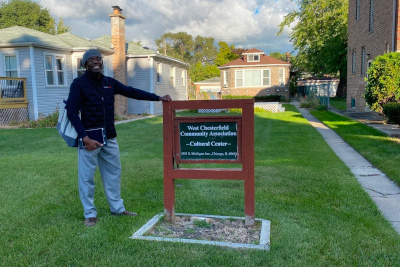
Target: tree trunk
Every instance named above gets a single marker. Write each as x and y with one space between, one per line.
342 87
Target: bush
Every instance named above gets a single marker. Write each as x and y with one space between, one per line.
383 81
42 122
236 97
269 98
312 103
392 112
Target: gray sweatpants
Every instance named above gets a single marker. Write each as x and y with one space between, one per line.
107 158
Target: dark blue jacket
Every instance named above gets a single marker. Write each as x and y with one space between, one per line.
93 97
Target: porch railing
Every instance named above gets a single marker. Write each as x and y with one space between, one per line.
13 93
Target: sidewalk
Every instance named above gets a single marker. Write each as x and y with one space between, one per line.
384 192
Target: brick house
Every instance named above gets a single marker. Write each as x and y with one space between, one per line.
255 74
373 29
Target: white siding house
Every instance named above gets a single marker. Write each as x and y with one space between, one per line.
141 73
51 62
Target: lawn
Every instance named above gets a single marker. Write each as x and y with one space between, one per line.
320 215
338 102
375 146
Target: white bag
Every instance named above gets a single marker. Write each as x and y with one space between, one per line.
65 128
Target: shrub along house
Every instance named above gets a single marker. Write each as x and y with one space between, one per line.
255 74
36 70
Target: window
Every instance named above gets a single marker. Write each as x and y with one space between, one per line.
266 78
80 70
55 74
172 76
353 62
159 72
362 61
281 76
10 63
253 58
358 9
253 78
239 78
371 15
225 78
183 77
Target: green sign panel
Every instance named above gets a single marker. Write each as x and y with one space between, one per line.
208 140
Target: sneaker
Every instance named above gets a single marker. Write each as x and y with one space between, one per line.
89 222
125 213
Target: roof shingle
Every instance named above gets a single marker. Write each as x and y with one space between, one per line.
264 60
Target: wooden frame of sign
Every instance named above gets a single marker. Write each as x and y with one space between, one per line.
208 139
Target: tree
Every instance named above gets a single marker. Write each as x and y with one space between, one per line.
178 45
225 54
383 81
320 36
239 51
204 50
61 27
29 14
199 71
278 55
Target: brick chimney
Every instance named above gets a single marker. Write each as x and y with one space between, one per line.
119 57
288 57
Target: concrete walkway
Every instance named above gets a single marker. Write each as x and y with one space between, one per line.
381 189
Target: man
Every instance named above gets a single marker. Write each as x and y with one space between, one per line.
92 95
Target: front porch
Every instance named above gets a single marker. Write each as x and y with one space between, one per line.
13 100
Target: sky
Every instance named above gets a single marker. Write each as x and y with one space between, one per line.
245 24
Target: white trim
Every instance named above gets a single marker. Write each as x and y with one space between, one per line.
75 65
183 77
159 67
283 82
252 66
151 72
225 78
3 65
261 78
34 89
172 74
54 58
253 55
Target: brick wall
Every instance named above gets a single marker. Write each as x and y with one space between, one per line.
374 42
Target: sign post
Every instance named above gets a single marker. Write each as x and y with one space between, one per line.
209 139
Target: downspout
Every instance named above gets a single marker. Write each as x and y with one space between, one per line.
151 62
34 91
394 32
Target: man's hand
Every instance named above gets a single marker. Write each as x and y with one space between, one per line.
91 144
165 98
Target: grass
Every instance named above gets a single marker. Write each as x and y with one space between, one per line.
319 213
338 102
379 149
